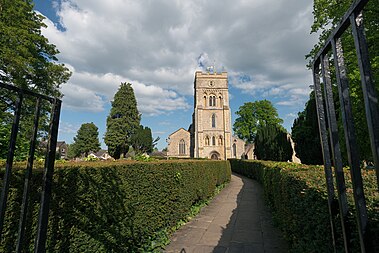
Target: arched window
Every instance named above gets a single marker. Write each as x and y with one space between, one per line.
221 103
206 140
205 101
220 140
213 141
214 157
182 147
213 120
234 150
212 100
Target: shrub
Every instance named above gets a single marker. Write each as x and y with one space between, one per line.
143 158
297 196
91 158
113 206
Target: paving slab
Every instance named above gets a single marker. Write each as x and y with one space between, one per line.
236 220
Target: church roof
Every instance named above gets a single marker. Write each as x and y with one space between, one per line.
178 131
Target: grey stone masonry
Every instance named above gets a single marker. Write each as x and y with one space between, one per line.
235 221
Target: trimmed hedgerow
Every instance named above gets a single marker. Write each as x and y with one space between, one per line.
113 207
297 196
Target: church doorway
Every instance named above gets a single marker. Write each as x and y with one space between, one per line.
214 155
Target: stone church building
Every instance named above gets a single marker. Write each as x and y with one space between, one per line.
210 134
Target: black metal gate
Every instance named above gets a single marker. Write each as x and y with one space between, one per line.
327 123
40 240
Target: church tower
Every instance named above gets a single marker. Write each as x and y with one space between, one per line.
211 121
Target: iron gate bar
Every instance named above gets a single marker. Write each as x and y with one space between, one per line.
26 92
369 93
351 143
28 177
336 151
356 7
325 149
9 162
48 167
47 179
371 107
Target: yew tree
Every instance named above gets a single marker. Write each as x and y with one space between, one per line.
142 140
272 143
122 121
305 134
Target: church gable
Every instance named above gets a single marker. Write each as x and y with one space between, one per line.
180 132
179 143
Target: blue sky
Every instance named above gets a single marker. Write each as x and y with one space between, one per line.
158 45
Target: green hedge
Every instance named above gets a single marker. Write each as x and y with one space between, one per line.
113 207
297 196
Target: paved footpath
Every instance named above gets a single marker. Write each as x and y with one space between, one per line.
235 221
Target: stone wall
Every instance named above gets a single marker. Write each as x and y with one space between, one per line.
174 141
238 148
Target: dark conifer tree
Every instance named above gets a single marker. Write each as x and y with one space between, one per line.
142 140
272 143
123 121
306 136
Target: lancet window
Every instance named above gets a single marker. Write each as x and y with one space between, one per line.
182 147
212 100
206 141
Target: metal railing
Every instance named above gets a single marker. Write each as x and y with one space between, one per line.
328 123
40 240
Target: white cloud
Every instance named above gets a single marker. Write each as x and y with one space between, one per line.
293 101
159 132
68 128
90 92
81 99
164 123
158 45
291 115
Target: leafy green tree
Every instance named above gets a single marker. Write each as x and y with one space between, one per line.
5 129
327 15
123 121
253 115
71 151
27 60
272 143
86 140
305 134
